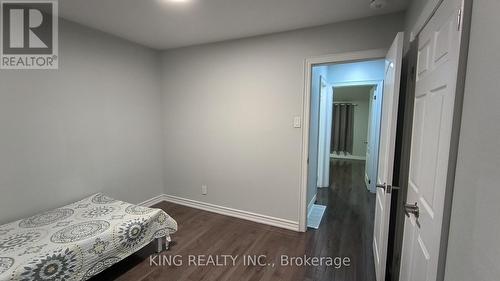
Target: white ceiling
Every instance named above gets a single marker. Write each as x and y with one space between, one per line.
165 24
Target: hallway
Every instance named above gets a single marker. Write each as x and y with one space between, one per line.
347 226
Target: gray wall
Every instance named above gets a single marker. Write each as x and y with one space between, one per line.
228 110
93 125
474 249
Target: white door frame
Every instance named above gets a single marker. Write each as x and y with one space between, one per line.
306 103
324 134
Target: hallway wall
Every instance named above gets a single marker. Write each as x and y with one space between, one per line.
473 249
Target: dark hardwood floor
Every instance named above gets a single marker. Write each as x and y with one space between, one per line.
346 231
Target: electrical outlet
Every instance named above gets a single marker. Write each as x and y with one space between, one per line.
204 189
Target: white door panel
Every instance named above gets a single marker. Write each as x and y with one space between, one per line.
390 99
375 111
369 146
437 68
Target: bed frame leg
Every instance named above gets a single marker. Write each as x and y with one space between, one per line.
167 242
160 245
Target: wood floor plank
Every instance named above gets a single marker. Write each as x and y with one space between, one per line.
346 231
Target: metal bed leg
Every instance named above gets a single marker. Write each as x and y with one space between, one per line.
167 242
160 245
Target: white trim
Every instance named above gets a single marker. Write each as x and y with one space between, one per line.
311 204
273 221
152 201
351 157
348 57
357 83
324 132
308 64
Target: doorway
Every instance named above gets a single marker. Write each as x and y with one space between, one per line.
390 62
315 68
346 101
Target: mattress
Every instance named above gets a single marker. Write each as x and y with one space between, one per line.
80 240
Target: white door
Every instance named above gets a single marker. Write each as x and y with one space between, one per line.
369 137
437 68
390 100
373 136
324 138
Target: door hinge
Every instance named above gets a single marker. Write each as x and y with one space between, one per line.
459 20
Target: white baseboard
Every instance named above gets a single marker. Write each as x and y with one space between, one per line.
152 201
310 205
350 157
273 221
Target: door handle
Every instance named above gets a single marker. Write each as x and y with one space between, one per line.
386 187
383 186
411 209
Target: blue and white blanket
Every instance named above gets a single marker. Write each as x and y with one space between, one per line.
80 240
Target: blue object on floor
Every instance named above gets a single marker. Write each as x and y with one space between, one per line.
315 215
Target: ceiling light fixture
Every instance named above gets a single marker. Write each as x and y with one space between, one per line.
378 4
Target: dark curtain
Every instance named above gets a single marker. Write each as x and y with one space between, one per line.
342 128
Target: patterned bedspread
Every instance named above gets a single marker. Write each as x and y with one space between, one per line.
78 241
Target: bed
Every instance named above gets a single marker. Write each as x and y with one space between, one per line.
80 240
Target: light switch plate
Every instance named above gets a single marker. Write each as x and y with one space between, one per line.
297 122
204 189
